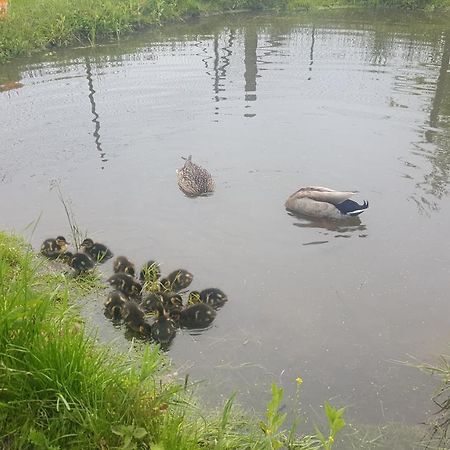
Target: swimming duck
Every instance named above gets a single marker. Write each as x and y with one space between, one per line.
98 252
114 304
320 202
177 280
150 272
123 265
80 262
197 315
126 284
194 180
52 248
134 319
151 302
211 296
163 328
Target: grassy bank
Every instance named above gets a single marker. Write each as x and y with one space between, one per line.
31 25
62 390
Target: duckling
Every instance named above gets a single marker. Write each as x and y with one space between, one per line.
80 262
322 202
198 315
151 302
150 272
177 280
113 305
126 284
163 328
194 180
134 319
52 248
173 304
98 252
123 265
211 296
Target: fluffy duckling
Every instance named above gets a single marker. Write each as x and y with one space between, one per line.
194 180
123 265
211 296
321 202
52 248
163 328
152 301
150 272
80 262
114 304
134 319
197 315
98 252
126 284
177 280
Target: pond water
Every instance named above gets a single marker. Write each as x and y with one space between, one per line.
349 100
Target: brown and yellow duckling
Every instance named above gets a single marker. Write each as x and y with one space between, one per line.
177 280
211 296
150 272
123 265
98 252
194 180
114 305
80 262
52 248
197 315
134 319
152 301
163 328
126 284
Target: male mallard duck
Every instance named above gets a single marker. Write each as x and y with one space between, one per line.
163 328
123 265
198 315
211 296
98 252
114 304
126 284
177 280
150 272
52 248
194 180
80 262
322 202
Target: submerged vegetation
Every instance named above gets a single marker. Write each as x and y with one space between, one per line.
60 389
30 25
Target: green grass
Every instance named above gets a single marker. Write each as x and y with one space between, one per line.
32 25
59 389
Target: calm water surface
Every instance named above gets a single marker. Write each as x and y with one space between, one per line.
267 104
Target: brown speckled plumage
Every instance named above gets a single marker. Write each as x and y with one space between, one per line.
194 180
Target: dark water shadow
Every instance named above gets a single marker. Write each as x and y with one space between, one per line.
344 228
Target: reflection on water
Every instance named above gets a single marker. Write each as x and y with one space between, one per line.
337 98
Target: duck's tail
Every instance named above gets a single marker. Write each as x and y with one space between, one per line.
351 208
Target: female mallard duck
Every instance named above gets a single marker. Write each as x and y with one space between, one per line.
322 202
98 252
163 328
52 248
211 296
150 272
114 305
126 284
177 280
123 265
194 180
80 262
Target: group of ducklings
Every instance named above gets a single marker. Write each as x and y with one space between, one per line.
133 299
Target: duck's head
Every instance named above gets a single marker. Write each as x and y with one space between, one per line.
87 243
61 242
